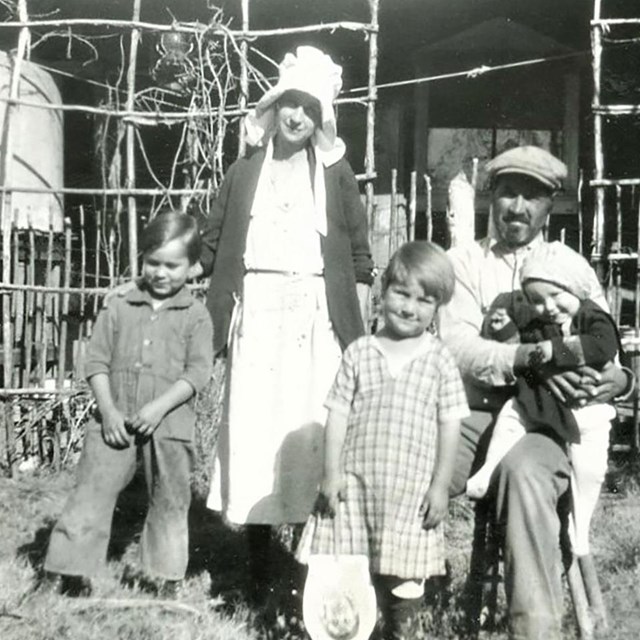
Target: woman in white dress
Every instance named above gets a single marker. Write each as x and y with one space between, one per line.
287 249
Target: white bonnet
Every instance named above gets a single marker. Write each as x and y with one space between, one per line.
311 71
558 264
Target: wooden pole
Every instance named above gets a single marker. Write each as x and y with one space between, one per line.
413 197
594 592
372 96
130 142
581 247
96 277
393 214
244 77
428 212
47 303
83 277
30 318
636 395
6 216
579 599
616 308
598 242
196 28
17 306
62 348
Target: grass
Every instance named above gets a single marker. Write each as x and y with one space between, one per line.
215 602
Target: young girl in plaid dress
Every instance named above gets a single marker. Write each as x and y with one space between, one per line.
394 418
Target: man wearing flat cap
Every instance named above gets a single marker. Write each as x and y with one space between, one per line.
534 475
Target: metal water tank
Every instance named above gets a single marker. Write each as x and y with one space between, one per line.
37 139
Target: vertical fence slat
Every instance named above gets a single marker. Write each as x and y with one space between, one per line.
47 301
29 317
393 214
96 276
17 308
616 266
413 197
83 272
62 347
580 212
428 207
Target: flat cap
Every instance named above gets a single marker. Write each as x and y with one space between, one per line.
530 161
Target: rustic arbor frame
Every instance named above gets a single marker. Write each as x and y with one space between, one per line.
44 308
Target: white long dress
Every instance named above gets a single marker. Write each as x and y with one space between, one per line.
283 359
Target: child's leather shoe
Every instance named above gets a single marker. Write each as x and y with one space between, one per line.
76 586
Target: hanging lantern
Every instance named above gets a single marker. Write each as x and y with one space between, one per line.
174 70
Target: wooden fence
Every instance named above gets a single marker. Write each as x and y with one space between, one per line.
52 282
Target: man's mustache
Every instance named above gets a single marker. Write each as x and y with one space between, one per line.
515 217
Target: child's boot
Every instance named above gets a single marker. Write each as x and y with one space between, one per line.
76 586
50 583
260 562
402 618
169 589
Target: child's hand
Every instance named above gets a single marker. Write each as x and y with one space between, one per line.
542 354
331 493
499 319
147 419
434 506
114 430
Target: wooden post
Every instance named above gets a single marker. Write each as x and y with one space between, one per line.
29 319
413 197
130 141
393 214
62 349
593 591
6 216
244 78
636 394
598 242
579 599
83 274
17 306
372 96
581 247
47 301
428 212
96 277
616 297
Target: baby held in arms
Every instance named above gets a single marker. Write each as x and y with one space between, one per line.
566 330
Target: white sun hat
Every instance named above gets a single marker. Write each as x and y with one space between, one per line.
310 71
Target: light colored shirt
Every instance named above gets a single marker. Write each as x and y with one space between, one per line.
483 270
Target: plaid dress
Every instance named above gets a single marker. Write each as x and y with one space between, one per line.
389 455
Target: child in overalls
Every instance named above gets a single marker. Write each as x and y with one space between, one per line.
150 352
390 442
566 330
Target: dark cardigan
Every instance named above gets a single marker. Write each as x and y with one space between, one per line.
594 341
345 249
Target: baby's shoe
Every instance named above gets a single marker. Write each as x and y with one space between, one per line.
478 485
